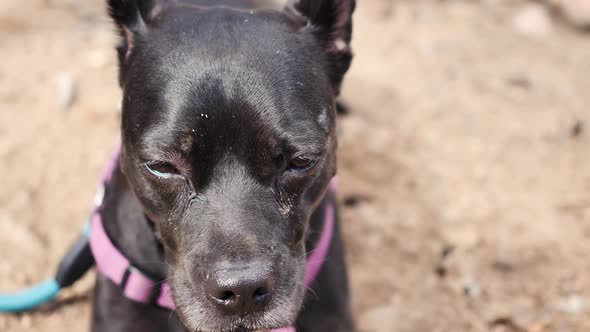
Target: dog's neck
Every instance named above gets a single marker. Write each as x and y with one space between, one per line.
131 231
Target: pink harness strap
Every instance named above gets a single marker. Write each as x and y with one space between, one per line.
141 288
318 256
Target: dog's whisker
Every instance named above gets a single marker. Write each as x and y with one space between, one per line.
171 313
311 251
163 281
309 289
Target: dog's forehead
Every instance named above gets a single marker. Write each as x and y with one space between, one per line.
226 33
212 110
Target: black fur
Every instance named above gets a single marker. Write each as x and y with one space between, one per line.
235 108
331 21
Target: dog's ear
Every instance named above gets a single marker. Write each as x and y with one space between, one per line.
132 18
331 22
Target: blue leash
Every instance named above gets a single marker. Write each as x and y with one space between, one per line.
30 298
77 261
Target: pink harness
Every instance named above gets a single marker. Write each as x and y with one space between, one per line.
138 287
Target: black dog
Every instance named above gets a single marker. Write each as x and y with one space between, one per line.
228 147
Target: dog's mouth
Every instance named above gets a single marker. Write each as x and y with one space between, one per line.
241 325
242 328
255 326
275 317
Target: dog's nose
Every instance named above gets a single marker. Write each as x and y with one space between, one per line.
241 289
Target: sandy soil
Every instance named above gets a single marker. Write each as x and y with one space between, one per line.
464 162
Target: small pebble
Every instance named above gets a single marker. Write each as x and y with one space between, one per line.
446 251
440 270
574 304
65 90
353 200
470 287
577 129
520 82
502 266
503 323
533 20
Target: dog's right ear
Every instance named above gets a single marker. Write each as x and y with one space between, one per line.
331 22
132 18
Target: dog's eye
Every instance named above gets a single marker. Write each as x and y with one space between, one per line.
302 164
161 169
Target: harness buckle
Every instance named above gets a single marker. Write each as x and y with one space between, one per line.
155 291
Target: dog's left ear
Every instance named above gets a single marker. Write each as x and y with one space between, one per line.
132 18
331 22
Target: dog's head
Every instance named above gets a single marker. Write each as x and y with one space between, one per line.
229 144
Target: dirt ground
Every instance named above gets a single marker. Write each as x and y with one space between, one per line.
464 163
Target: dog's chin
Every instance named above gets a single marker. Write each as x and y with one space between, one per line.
201 317
272 319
